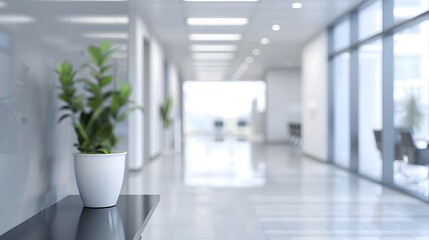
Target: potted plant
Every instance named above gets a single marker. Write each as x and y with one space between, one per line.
94 113
164 110
412 115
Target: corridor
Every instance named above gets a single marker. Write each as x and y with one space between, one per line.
254 191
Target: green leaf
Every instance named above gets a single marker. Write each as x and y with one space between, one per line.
95 54
65 68
69 91
105 69
105 46
125 90
63 97
106 56
94 116
105 80
77 103
81 131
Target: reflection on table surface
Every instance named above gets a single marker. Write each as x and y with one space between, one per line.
69 220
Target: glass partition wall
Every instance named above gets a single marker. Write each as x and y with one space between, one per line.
379 61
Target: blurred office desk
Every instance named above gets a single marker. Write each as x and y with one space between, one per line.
69 220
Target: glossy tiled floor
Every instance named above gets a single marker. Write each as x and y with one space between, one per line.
235 190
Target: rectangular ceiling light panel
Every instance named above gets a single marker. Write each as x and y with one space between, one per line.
112 35
97 19
212 64
221 0
15 19
215 37
217 21
214 48
214 56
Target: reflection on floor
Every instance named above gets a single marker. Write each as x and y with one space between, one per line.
412 177
274 194
224 162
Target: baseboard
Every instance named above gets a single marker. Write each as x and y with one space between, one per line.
314 157
157 155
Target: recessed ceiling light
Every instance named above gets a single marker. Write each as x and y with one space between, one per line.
10 19
217 21
214 48
96 19
216 56
297 5
221 0
112 35
244 66
265 41
249 60
275 27
256 52
214 37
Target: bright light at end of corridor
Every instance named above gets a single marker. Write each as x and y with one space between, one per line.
297 5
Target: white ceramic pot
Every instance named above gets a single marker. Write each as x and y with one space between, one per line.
103 224
99 178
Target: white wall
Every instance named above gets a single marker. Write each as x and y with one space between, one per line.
173 91
258 122
136 119
283 103
315 98
156 98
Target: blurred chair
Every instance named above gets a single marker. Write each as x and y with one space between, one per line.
241 129
414 155
295 134
378 134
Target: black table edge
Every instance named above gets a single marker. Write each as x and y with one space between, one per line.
140 230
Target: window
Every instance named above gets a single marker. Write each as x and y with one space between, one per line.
342 35
370 109
411 101
341 65
406 9
370 20
392 68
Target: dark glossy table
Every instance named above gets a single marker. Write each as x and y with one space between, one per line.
69 220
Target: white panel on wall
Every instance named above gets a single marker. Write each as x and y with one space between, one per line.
156 98
314 97
174 133
283 103
136 119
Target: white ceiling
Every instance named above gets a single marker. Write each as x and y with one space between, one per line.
166 18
